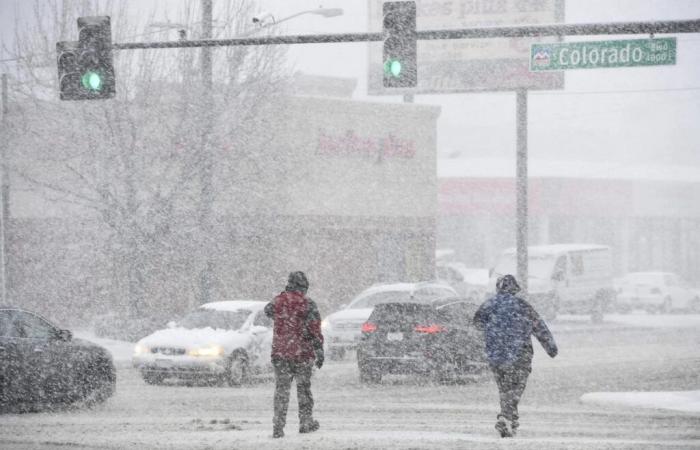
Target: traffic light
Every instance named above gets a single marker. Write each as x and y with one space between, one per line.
400 68
85 68
68 70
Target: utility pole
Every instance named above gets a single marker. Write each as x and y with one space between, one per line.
4 193
521 228
206 161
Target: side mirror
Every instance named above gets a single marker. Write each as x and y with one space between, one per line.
64 335
172 324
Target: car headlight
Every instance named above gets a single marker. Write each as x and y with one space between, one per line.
141 349
325 324
213 350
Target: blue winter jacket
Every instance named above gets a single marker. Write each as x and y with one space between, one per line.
508 322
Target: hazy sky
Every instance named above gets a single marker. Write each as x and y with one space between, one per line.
627 115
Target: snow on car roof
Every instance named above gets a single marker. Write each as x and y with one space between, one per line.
559 248
235 305
403 287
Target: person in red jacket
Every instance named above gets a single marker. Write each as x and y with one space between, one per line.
296 343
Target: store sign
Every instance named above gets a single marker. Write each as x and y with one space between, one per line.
464 65
603 54
353 145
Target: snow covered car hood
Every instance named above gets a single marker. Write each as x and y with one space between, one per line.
195 338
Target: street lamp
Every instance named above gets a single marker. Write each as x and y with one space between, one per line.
265 20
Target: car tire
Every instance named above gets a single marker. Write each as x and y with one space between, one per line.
336 353
445 375
369 374
237 369
667 306
598 307
695 305
107 384
153 378
552 309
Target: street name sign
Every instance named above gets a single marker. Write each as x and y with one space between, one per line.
602 54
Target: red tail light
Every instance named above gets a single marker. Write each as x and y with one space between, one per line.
369 327
429 329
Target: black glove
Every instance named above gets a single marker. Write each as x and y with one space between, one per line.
319 358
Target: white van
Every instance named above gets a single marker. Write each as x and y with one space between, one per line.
574 278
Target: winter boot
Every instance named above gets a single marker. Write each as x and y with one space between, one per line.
309 427
503 427
277 432
514 427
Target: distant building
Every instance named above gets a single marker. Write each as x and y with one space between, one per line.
649 215
343 190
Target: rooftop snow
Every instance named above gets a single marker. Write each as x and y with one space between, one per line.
505 168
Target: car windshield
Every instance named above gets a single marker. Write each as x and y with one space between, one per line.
404 314
372 300
537 266
203 318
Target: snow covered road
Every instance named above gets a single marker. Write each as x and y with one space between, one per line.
404 412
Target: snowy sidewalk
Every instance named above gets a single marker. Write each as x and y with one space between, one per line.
686 401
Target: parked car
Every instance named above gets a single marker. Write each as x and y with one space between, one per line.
467 281
573 278
227 341
655 292
43 366
342 328
437 339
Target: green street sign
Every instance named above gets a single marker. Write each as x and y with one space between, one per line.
602 54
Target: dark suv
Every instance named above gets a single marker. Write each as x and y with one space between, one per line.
435 339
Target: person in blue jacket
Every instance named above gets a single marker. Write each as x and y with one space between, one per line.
507 322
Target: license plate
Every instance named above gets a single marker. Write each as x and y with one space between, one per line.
397 336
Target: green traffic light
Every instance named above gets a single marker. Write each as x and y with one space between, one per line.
92 81
393 67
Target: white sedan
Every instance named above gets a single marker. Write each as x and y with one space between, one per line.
655 292
227 341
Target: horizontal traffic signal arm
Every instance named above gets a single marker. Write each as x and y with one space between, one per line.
656 27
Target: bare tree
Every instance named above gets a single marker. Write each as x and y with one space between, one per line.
132 163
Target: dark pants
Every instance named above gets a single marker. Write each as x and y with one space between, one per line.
511 380
285 372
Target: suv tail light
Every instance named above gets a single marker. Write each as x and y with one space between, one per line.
429 329
369 327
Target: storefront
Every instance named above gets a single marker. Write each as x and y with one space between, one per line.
342 190
646 214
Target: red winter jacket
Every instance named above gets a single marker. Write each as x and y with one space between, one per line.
297 331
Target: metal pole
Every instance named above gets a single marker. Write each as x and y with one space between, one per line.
206 166
4 194
521 187
656 28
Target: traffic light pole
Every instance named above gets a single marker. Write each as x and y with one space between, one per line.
206 159
657 27
4 194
